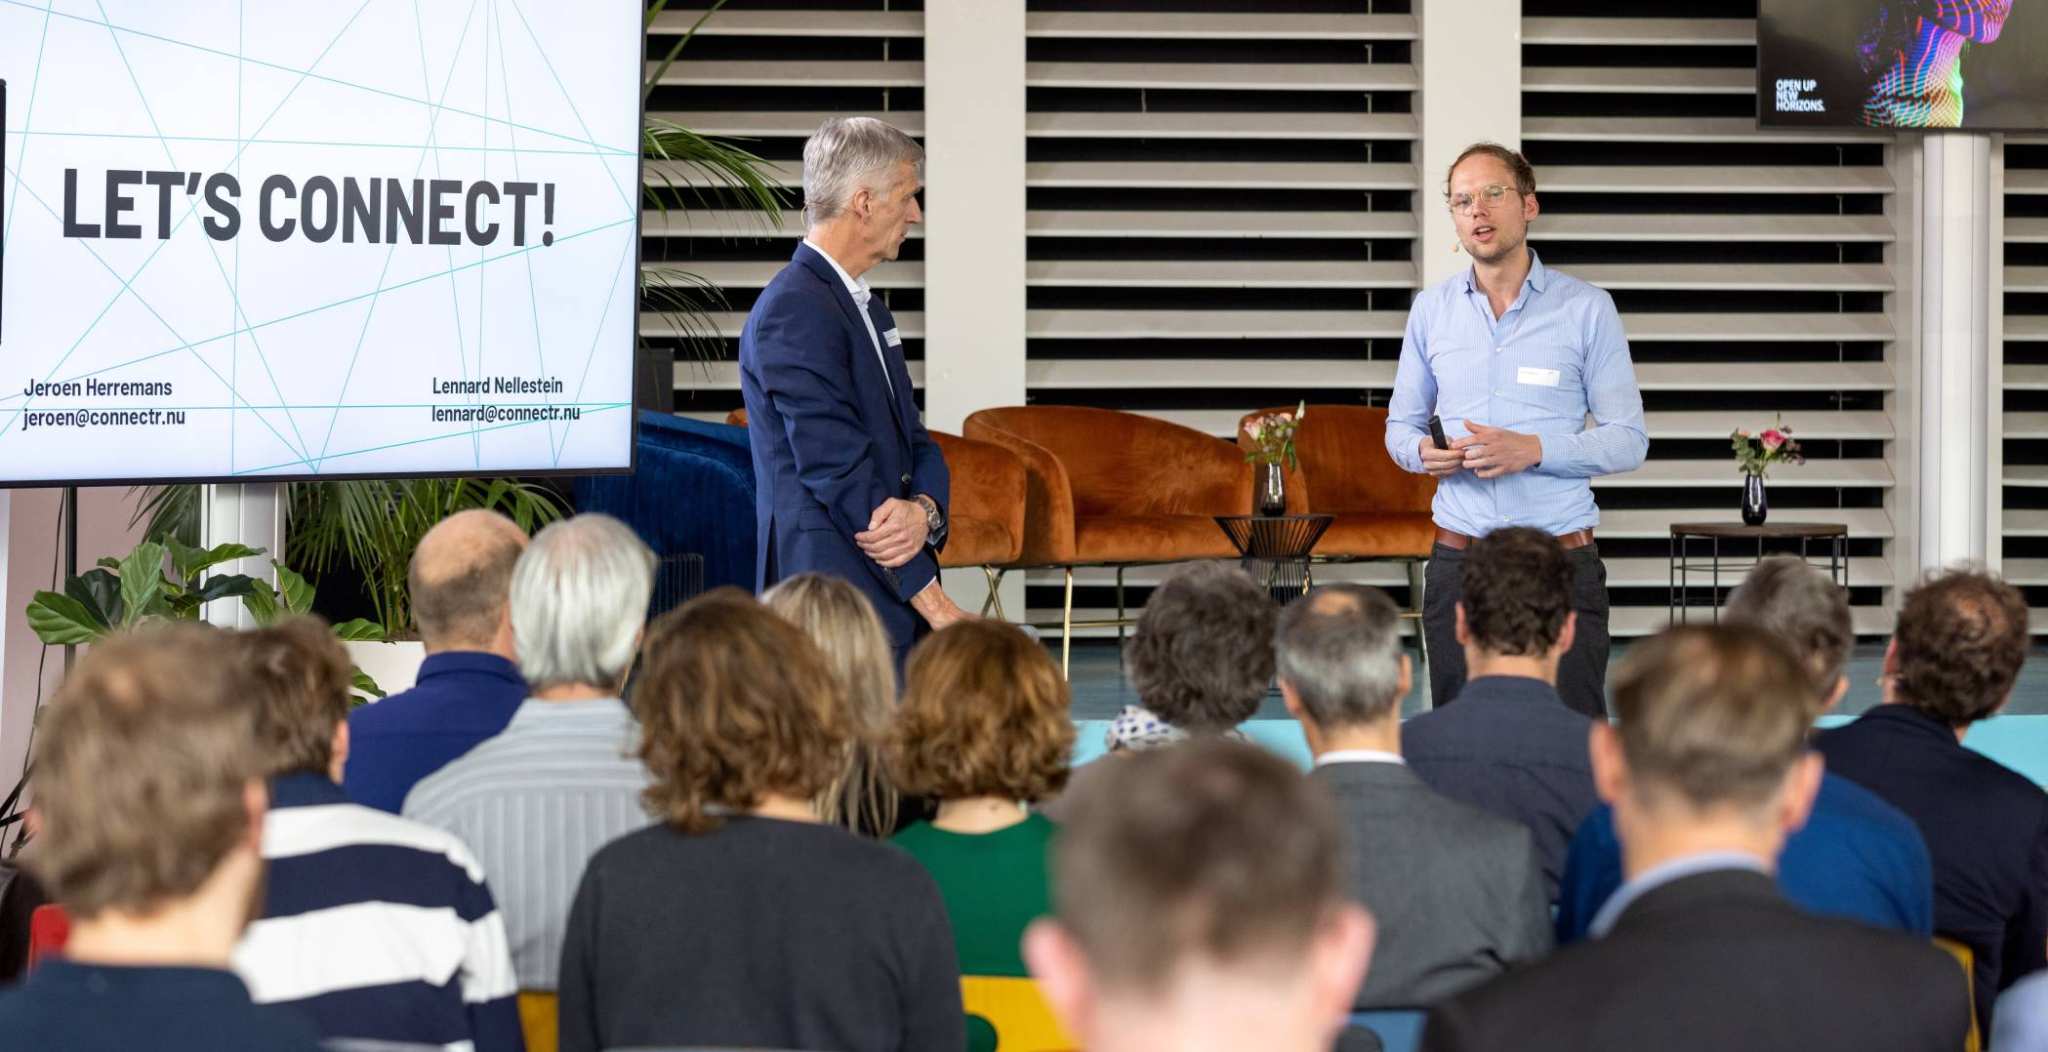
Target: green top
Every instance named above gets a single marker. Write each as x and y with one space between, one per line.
993 883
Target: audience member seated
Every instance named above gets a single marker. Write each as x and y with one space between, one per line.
1457 892
1953 660
468 687
2023 1016
1201 660
1856 856
1707 770
1510 746
535 802
376 929
840 620
150 789
985 731
1199 906
742 919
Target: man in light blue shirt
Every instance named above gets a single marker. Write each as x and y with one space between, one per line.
1513 357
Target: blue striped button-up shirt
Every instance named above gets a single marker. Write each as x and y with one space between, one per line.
1557 355
534 803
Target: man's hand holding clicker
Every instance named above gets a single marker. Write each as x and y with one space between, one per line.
895 534
1441 463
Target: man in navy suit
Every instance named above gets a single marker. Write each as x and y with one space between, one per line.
849 482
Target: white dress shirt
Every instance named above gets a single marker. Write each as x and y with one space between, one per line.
1359 756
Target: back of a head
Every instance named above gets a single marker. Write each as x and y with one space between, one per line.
1202 656
1961 639
1211 852
1339 651
1703 717
141 770
460 579
1517 591
841 621
734 703
298 678
579 599
1804 609
985 713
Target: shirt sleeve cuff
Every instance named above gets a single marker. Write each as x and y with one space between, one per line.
1555 455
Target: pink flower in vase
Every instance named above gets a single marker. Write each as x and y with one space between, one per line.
1773 439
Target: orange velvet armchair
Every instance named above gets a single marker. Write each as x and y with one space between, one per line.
1105 488
986 508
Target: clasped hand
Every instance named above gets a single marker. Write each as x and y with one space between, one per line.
896 533
1488 452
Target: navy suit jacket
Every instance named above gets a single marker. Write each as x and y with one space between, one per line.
830 443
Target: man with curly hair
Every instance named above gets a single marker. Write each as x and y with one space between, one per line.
1961 639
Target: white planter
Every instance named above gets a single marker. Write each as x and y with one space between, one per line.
395 666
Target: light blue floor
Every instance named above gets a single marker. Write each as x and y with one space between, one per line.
2017 737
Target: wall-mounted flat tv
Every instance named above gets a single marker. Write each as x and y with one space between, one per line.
1915 64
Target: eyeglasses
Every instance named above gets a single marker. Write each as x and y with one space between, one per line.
1492 194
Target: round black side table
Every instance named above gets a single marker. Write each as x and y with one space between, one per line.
1276 548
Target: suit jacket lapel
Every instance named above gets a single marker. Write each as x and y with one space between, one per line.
818 265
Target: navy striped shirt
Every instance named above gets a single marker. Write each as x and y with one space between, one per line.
380 931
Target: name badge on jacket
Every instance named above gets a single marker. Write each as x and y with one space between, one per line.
1529 374
895 339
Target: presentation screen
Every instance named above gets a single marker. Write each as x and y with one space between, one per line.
1971 64
297 239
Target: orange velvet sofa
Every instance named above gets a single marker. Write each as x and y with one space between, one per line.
1106 488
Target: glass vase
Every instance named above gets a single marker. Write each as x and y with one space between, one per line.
1756 506
1269 490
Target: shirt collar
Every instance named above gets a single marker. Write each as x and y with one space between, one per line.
305 789
1359 756
1539 275
459 662
1657 876
534 712
858 287
1908 715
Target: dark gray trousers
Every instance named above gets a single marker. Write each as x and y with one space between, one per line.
1581 676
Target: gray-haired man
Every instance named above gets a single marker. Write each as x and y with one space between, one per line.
847 481
1458 893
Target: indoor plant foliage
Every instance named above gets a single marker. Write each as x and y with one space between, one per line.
172 581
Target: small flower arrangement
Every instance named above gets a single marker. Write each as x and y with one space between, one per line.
1756 454
1272 436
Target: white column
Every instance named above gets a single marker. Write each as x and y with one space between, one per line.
1960 294
242 513
974 225
1469 58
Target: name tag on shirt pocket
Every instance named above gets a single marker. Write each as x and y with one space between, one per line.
895 339
1536 377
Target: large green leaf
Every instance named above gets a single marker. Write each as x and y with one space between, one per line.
60 620
225 586
366 687
100 591
360 630
293 590
188 561
261 602
142 582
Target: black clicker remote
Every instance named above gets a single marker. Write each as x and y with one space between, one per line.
1436 433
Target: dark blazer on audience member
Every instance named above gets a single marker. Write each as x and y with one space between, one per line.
1510 747
461 698
1856 857
1718 962
1986 827
1457 893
